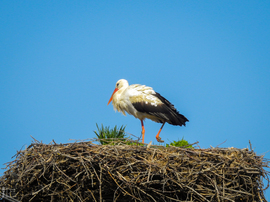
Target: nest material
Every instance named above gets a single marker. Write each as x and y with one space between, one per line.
85 171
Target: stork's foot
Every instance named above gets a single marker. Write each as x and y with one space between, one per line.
159 139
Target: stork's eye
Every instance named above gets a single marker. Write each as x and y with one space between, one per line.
117 84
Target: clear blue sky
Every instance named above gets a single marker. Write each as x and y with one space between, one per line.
60 61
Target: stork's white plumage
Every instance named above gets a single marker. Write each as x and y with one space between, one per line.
143 102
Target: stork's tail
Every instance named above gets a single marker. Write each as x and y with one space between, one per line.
173 116
182 120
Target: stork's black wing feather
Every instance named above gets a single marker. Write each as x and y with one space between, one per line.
165 112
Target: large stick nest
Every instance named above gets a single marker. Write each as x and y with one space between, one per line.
84 171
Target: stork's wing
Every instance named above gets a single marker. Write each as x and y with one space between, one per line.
156 105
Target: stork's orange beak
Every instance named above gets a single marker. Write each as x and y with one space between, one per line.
115 90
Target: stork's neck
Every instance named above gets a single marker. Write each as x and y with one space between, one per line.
120 91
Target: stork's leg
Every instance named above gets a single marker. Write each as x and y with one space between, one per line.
143 131
157 136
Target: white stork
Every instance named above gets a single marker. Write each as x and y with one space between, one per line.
143 102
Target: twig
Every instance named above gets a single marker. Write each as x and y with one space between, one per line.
100 183
220 144
250 146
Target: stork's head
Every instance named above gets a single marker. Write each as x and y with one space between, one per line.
122 83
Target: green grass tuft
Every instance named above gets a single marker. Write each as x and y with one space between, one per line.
180 143
109 134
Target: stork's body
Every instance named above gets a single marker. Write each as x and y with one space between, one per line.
143 102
